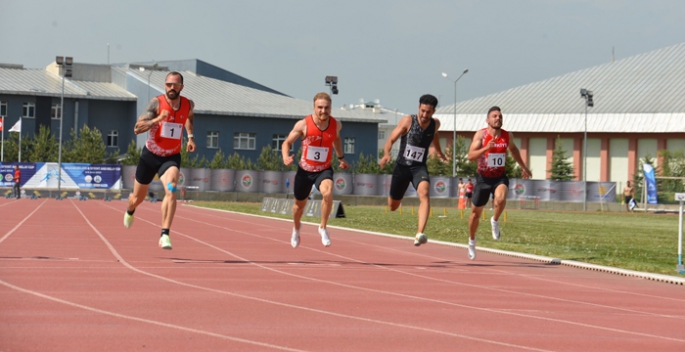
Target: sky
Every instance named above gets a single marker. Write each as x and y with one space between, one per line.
390 50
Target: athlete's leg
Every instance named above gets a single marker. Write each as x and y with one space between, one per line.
500 200
326 189
138 195
424 204
170 181
474 221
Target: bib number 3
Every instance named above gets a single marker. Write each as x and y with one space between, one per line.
317 154
497 159
171 130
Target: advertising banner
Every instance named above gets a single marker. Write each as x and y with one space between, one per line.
7 172
651 183
74 175
342 184
440 187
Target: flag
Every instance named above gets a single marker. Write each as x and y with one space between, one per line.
632 204
651 183
16 127
2 119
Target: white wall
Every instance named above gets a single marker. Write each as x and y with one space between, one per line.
646 146
674 145
537 154
618 160
594 147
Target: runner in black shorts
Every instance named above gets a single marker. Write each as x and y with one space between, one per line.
489 148
417 133
320 134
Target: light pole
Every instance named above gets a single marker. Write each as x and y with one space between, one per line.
65 64
454 131
587 95
332 81
149 75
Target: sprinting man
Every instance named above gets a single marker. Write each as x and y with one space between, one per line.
320 134
165 117
418 140
489 148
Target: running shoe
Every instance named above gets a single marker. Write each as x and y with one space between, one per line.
128 220
472 249
324 237
295 238
495 228
420 239
165 242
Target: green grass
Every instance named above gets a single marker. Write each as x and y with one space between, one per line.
642 242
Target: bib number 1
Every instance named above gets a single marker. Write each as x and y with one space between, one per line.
171 130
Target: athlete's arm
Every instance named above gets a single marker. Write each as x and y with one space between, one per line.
149 117
337 146
477 149
298 131
514 150
402 128
190 121
436 142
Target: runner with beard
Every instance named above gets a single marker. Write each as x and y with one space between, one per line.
165 117
489 148
417 133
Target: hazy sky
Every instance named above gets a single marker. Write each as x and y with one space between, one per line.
393 51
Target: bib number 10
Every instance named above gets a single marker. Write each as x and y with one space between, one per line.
171 130
497 159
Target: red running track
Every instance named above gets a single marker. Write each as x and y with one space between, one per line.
72 278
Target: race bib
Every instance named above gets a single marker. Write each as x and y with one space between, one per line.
414 153
497 159
171 130
318 154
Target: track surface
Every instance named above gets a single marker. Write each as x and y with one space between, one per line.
72 278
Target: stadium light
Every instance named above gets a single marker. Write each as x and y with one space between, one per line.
454 129
587 95
65 64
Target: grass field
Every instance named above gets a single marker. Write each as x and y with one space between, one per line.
635 241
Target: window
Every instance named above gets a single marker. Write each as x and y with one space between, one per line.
29 110
381 135
277 142
244 140
348 145
213 139
113 138
56 112
3 108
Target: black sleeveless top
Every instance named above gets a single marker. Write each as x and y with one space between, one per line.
415 144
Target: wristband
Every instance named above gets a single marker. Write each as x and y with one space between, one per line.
191 136
341 157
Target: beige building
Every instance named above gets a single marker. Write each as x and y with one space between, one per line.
639 109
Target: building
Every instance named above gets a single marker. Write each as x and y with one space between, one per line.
392 118
232 113
638 110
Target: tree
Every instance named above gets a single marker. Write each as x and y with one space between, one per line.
437 167
366 165
44 147
390 166
562 169
511 168
269 160
672 165
236 162
219 161
132 154
187 161
88 147
12 147
464 166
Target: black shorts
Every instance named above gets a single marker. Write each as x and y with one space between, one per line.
304 180
469 194
151 164
627 199
485 187
402 175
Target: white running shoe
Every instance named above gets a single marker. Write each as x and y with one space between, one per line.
495 228
295 238
420 239
324 237
165 242
472 249
128 220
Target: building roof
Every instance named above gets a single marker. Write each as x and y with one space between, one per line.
217 97
642 93
41 82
